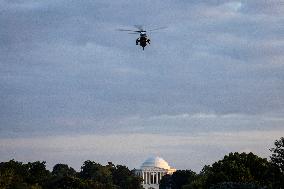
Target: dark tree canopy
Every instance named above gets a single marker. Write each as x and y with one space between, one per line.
277 156
177 179
234 171
38 174
166 182
277 159
239 168
63 170
124 178
34 175
234 185
96 172
13 174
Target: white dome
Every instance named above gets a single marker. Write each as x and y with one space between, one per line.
156 162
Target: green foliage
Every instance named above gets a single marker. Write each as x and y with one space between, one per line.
232 185
197 183
234 171
63 170
96 172
109 176
37 173
182 177
13 174
166 182
239 168
240 171
16 175
277 159
277 156
66 182
124 178
178 179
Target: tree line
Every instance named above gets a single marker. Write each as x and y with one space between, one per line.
34 175
234 171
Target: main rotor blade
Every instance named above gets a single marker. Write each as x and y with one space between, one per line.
160 28
139 27
125 30
139 31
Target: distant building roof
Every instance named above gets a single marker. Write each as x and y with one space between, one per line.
156 162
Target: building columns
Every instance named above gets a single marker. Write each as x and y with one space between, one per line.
151 177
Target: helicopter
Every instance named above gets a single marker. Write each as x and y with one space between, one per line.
143 39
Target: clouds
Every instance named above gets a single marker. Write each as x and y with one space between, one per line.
182 150
65 69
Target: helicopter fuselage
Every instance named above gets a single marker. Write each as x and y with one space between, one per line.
143 40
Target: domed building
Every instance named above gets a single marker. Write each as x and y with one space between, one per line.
152 171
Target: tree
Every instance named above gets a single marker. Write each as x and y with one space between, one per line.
96 172
232 185
12 174
200 179
182 177
239 168
16 175
124 178
66 182
63 170
178 179
34 175
277 159
166 182
277 156
38 174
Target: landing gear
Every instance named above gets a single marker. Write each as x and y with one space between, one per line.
142 41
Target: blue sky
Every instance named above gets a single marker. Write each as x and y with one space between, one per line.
73 88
